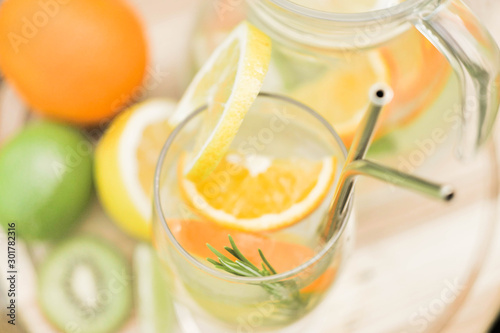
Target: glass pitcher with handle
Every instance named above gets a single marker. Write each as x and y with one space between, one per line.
442 64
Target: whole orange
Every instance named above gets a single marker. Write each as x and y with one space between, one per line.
74 60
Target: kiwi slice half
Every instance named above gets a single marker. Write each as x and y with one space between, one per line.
85 286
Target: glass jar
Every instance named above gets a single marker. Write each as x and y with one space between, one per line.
442 65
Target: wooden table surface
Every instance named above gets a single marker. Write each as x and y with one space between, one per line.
169 25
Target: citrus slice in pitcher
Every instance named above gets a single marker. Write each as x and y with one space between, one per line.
228 83
340 95
256 193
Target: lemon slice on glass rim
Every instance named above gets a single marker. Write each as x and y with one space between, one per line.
228 83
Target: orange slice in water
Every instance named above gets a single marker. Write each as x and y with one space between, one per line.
256 193
193 236
341 94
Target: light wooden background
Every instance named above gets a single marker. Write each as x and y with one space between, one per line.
362 305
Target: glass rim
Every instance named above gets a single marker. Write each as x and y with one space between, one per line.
218 273
403 9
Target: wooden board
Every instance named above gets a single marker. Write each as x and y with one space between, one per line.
379 291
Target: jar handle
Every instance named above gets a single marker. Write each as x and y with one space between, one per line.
461 38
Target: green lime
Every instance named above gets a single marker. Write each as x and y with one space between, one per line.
45 180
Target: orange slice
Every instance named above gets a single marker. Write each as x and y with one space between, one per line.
194 235
417 77
341 94
256 193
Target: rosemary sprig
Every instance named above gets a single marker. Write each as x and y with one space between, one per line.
284 294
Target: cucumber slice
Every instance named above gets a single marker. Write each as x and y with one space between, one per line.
152 289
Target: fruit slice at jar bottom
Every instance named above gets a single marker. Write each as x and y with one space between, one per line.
194 235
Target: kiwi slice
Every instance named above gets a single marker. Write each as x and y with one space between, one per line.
85 286
153 296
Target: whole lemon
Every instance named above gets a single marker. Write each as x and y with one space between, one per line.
45 180
74 60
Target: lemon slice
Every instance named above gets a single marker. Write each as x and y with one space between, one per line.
229 82
125 162
256 193
341 94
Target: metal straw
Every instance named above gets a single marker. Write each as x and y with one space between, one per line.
355 164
